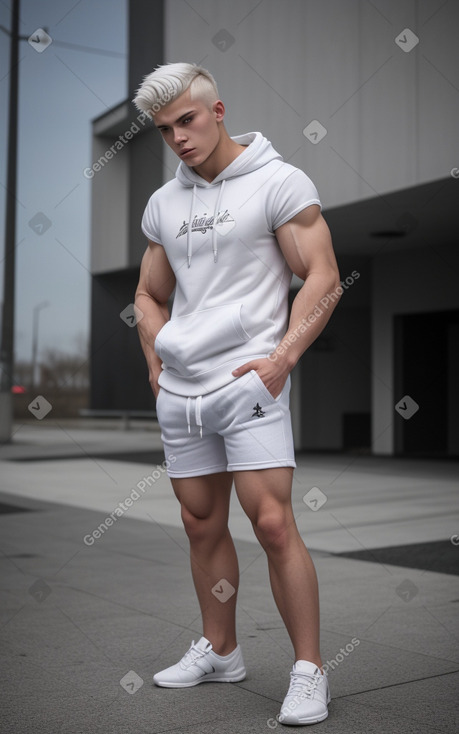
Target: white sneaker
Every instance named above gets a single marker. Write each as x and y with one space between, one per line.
308 696
201 665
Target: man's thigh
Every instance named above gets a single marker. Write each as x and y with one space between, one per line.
205 496
265 492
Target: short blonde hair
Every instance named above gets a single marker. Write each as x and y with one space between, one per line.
169 81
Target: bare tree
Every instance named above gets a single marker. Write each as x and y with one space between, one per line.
66 370
23 372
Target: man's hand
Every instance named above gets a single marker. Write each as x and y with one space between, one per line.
273 373
153 380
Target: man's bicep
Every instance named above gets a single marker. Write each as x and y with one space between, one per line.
306 243
157 278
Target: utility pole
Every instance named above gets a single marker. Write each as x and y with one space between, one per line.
7 336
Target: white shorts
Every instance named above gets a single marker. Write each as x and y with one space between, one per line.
235 428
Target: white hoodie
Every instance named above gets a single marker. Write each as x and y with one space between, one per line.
231 298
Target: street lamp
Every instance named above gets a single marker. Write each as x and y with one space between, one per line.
36 313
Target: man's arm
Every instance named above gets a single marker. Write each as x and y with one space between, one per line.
156 283
306 244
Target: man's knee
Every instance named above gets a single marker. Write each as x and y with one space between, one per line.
202 529
273 530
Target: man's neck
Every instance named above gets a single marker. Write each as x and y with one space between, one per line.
224 154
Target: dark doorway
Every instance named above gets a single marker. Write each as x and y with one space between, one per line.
119 374
426 366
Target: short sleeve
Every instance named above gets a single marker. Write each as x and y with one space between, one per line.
297 192
150 221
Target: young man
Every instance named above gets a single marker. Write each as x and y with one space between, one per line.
227 232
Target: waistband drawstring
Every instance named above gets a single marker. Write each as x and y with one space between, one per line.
188 405
197 413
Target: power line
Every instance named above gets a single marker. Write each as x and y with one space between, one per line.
78 47
74 46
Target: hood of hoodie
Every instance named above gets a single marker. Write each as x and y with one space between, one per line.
258 153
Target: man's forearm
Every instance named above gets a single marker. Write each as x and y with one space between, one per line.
311 310
155 315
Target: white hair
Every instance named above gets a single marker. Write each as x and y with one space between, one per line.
169 81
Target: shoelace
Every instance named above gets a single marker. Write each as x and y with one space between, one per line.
191 656
303 684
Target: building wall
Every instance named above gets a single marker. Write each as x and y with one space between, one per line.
404 283
110 209
391 116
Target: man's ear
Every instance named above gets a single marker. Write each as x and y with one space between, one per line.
218 108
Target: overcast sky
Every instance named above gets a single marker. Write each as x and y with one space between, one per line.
60 91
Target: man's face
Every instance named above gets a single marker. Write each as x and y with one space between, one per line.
190 128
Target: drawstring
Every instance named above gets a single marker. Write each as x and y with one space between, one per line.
197 412
188 406
189 241
214 228
189 245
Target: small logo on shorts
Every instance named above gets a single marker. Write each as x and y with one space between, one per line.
259 412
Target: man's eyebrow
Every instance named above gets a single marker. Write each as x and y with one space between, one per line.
178 119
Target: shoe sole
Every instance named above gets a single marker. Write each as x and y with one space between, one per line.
209 678
302 722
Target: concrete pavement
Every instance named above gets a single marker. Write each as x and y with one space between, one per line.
84 609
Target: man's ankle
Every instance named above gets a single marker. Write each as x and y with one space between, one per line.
222 647
314 659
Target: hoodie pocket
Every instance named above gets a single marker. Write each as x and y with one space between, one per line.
188 344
